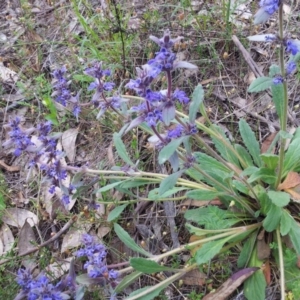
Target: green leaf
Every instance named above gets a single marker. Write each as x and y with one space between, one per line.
149 296
154 194
209 250
274 70
203 194
128 241
285 223
197 99
294 235
83 78
246 252
168 150
255 286
148 266
264 174
2 202
260 84
48 102
116 212
240 187
272 219
169 182
108 187
250 141
244 154
292 156
227 153
121 149
127 280
278 96
212 217
127 184
271 160
280 199
211 165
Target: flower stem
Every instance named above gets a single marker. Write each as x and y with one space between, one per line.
281 264
283 120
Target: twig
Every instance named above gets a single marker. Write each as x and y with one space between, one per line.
55 237
257 72
253 114
253 66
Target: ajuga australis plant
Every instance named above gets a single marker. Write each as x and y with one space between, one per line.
256 190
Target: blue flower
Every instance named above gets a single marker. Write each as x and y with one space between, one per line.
267 9
180 96
292 46
277 80
290 67
165 42
176 132
96 71
146 75
96 255
61 88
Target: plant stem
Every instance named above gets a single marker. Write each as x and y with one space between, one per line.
283 121
163 283
281 264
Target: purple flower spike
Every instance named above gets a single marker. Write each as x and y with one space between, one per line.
96 255
165 42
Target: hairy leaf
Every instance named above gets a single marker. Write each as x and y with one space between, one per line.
225 152
250 141
285 223
209 250
127 280
280 199
272 219
197 98
244 154
169 182
121 149
292 156
260 84
294 235
128 241
247 249
148 266
169 149
212 217
203 194
271 160
116 212
277 96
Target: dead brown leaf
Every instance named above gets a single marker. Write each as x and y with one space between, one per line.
6 239
9 168
292 180
266 268
17 217
73 237
231 284
267 142
27 239
68 141
263 248
194 278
